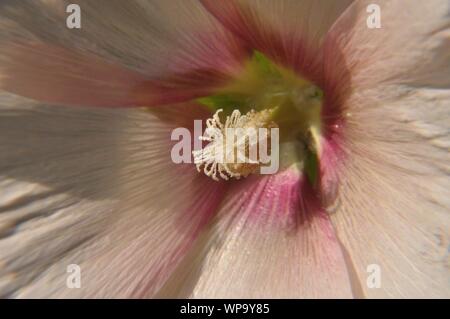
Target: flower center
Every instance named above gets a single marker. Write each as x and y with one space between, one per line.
237 147
264 95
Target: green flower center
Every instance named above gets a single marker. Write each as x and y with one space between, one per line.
296 105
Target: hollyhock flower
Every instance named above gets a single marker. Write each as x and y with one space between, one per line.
87 178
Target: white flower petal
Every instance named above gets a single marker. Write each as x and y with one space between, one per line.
96 188
267 242
393 203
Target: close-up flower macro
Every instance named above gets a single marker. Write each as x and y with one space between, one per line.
205 149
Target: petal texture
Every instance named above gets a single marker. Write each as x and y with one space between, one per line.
289 32
59 76
392 208
96 188
179 48
267 242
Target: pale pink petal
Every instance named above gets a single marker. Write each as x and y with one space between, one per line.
177 51
96 188
392 208
59 76
289 32
269 240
